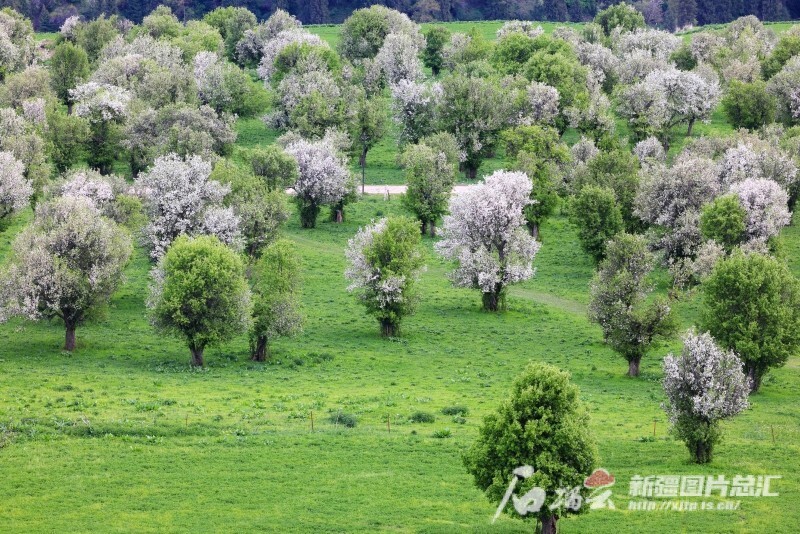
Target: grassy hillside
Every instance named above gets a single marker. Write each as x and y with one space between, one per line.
123 435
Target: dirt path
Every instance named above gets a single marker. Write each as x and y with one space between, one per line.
400 189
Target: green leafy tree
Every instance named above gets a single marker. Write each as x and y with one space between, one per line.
66 137
94 35
752 307
199 293
69 67
231 22
788 46
367 127
274 166
617 169
385 261
620 304
749 105
596 214
275 281
542 424
435 39
724 221
622 16
430 173
475 111
538 152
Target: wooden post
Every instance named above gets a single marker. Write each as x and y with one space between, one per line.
772 429
654 428
312 420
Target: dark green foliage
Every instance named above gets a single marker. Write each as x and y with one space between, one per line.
96 34
275 167
363 33
542 424
788 46
200 294
619 300
430 171
345 419
69 67
683 58
422 417
621 15
231 22
435 39
723 220
66 137
275 281
596 214
455 410
749 105
618 170
752 307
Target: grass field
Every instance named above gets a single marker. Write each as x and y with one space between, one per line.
123 435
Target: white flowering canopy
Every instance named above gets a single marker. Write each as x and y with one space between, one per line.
705 381
486 234
15 190
323 173
100 102
182 200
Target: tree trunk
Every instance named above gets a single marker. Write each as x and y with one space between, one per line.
549 524
432 228
339 215
701 452
471 173
534 229
69 338
388 328
362 160
491 301
69 108
197 357
754 376
633 365
261 350
689 131
424 227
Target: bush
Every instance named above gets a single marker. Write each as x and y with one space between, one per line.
422 417
749 105
455 410
345 419
442 434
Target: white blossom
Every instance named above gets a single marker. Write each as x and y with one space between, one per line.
659 44
485 233
69 27
540 105
323 173
414 108
398 58
524 27
276 45
33 110
179 196
15 190
705 381
100 102
765 203
650 150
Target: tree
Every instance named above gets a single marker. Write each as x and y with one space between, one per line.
69 67
104 106
723 221
619 300
199 293
622 16
788 46
749 105
485 234
538 153
66 264
365 30
323 178
765 203
543 424
232 23
66 137
385 261
414 108
703 385
15 190
474 110
596 214
181 199
261 210
752 307
274 166
367 127
275 283
618 170
435 39
430 172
